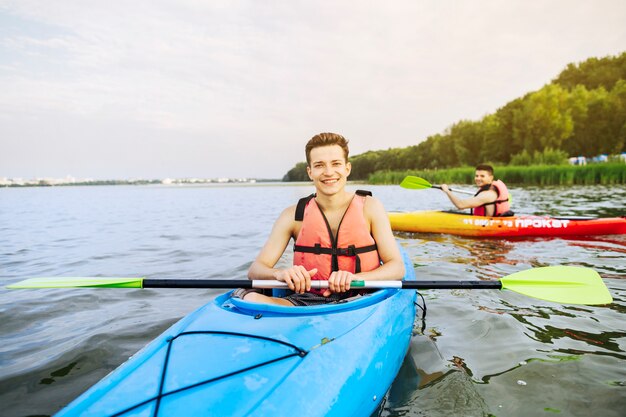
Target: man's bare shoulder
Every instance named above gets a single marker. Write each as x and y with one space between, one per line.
287 218
373 206
289 212
286 223
371 201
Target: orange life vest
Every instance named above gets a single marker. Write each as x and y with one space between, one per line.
502 204
353 249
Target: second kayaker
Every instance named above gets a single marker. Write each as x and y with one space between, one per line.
338 235
491 199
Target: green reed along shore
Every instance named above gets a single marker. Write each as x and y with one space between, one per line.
592 174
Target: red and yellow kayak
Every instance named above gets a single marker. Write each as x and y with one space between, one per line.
515 226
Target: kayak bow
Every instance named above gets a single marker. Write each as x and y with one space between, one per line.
236 358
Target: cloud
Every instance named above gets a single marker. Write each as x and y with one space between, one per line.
265 76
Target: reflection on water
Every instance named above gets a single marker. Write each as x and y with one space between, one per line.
504 354
482 353
501 349
446 385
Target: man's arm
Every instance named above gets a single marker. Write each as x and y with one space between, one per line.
297 277
393 266
485 197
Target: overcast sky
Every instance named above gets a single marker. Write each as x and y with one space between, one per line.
197 88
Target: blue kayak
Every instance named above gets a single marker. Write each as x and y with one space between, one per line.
237 358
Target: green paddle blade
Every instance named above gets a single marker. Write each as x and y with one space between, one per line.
415 183
561 284
78 282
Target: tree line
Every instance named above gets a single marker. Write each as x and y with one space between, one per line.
582 112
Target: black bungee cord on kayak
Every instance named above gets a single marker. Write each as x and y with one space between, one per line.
423 319
296 352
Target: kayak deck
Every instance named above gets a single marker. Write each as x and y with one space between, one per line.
233 357
514 226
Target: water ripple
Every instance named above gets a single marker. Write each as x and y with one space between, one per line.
477 346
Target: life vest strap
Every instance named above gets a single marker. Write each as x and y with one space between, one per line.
301 206
493 203
319 250
336 252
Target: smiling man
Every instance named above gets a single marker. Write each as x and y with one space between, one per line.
491 199
339 235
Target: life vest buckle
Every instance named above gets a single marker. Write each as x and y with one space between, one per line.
349 251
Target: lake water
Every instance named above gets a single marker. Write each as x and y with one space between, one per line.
483 352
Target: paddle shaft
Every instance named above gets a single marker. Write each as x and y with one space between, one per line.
561 284
454 191
416 183
410 285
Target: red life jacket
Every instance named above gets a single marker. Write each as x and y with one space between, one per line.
502 204
353 249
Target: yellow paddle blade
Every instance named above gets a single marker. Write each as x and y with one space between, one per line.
561 284
415 183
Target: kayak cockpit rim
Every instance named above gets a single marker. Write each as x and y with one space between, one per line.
247 307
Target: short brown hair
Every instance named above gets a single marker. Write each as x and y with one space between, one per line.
485 167
326 139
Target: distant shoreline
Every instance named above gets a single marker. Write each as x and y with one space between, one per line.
48 182
158 183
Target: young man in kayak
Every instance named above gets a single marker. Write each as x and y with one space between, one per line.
492 198
339 236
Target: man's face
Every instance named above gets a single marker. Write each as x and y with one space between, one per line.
482 178
329 169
